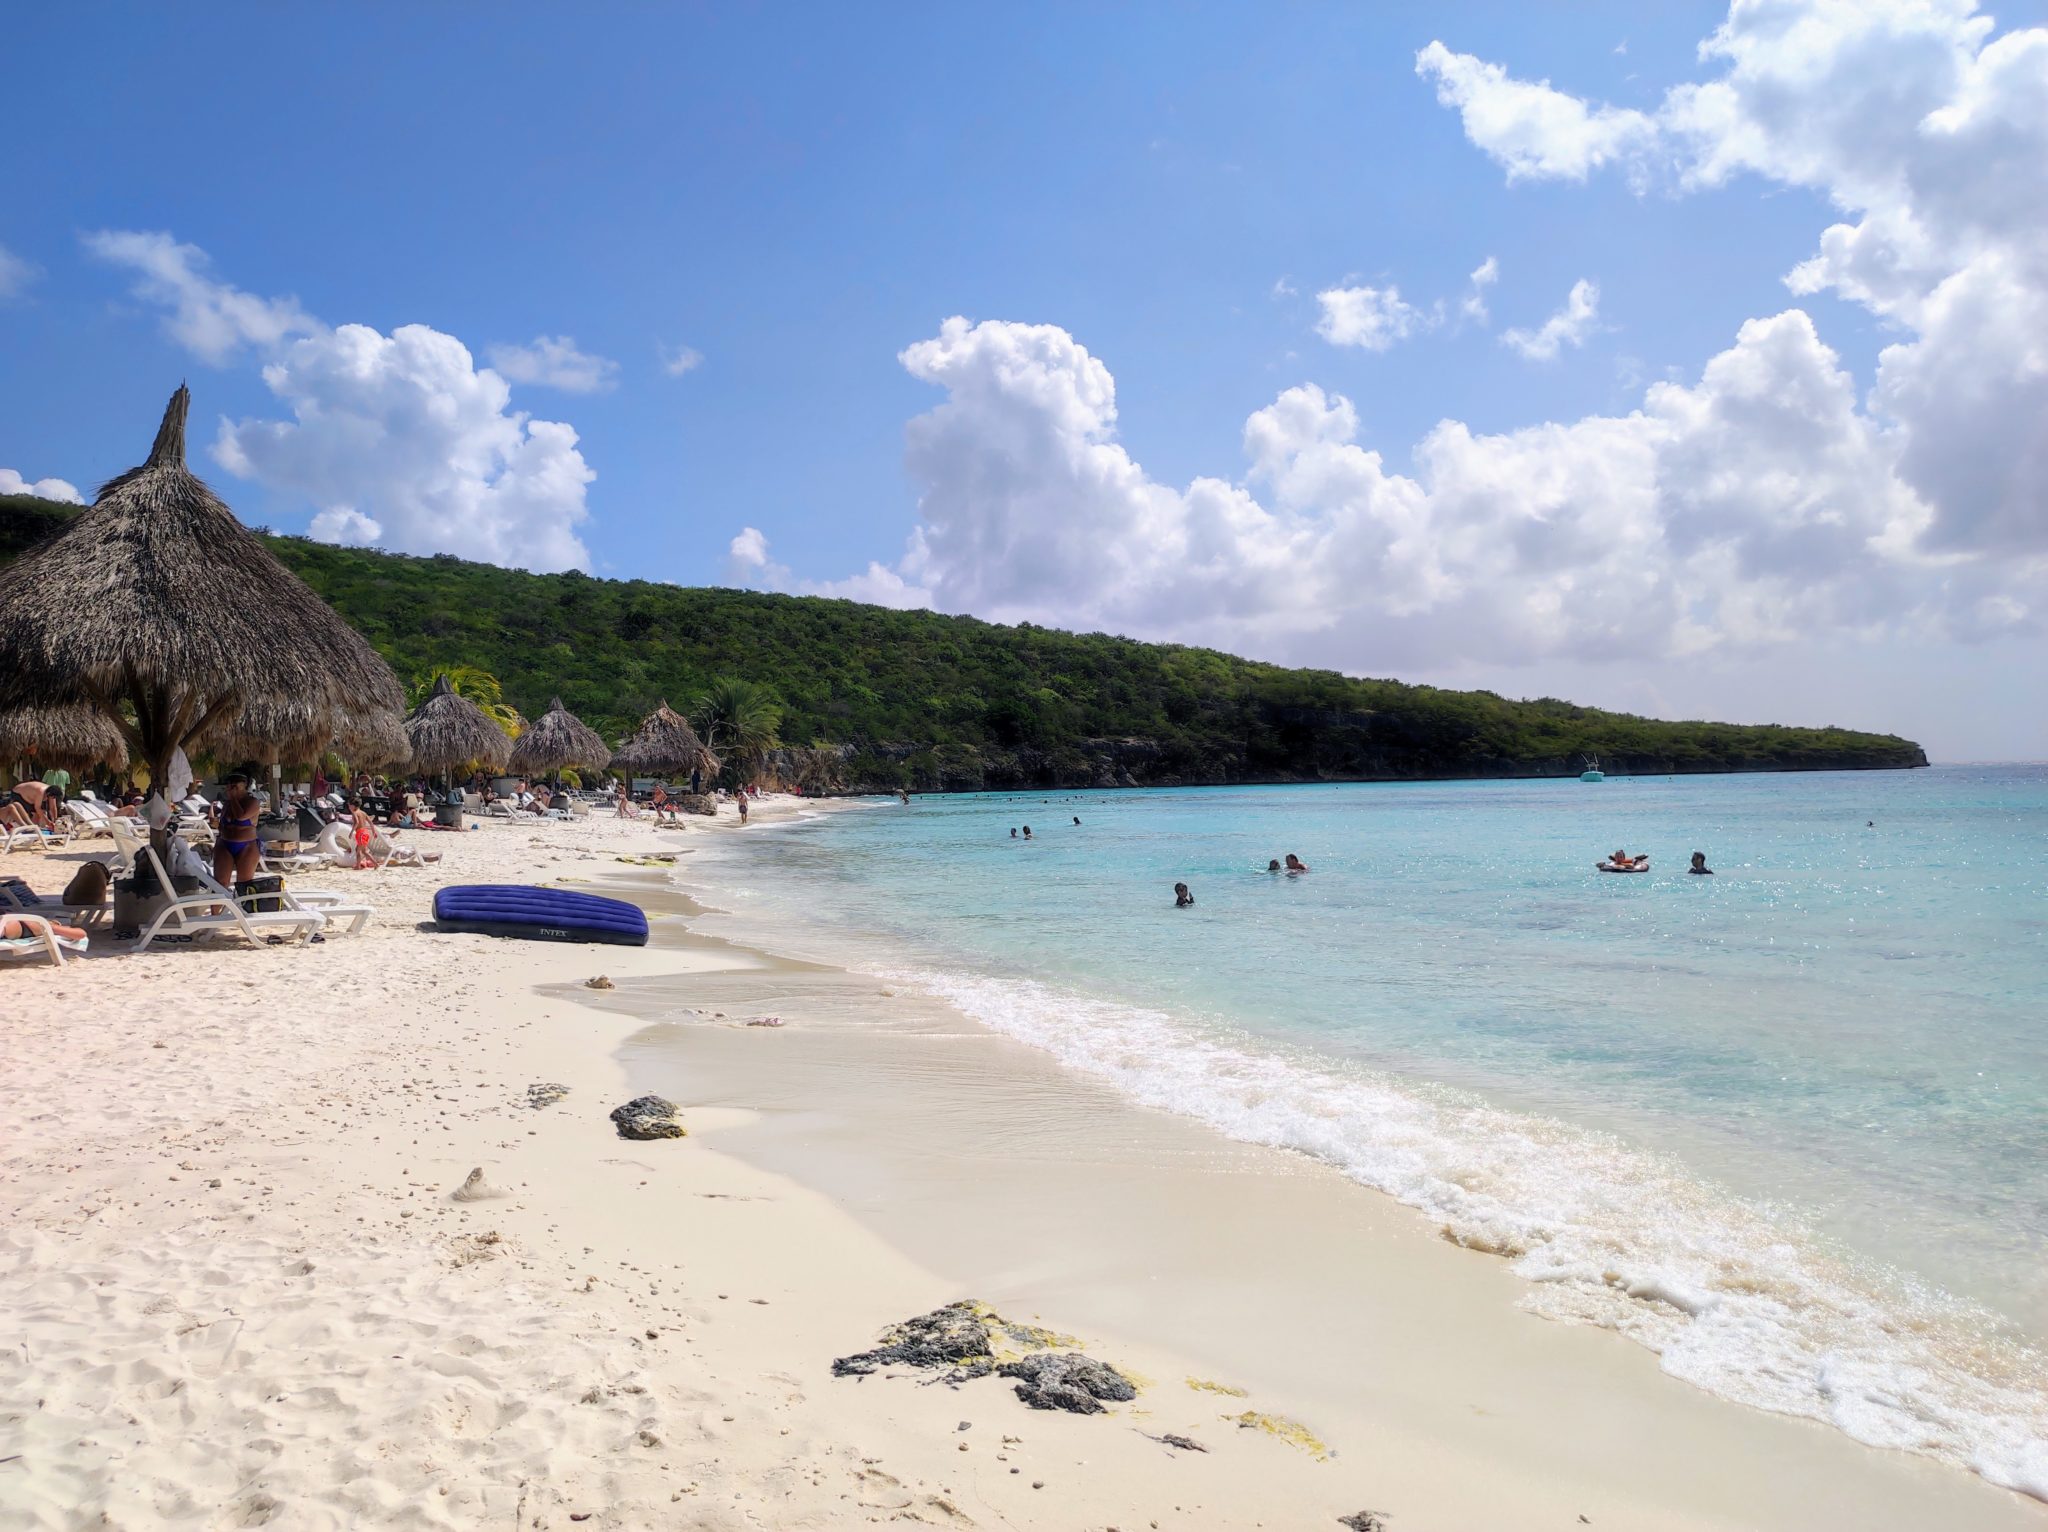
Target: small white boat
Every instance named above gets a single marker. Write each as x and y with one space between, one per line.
1593 773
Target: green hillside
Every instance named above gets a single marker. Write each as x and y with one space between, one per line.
875 698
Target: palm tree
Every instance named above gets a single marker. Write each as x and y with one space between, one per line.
475 684
738 719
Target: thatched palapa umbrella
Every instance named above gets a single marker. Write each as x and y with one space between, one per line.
556 739
665 743
448 730
74 735
158 597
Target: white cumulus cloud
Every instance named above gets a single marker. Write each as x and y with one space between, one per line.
1929 136
210 318
1757 504
399 440
680 360
554 361
749 564
1373 318
12 483
1569 326
1531 129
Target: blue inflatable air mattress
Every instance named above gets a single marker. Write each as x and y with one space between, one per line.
539 914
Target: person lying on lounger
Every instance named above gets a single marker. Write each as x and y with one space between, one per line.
14 925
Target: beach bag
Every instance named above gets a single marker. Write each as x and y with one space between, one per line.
88 886
261 895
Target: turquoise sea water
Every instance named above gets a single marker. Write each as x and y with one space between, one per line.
1788 1125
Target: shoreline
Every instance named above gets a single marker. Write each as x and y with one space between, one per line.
1232 1184
245 1294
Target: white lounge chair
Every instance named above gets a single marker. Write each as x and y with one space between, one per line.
40 942
34 836
213 910
127 841
326 902
16 898
87 818
386 851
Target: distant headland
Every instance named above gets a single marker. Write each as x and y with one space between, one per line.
875 700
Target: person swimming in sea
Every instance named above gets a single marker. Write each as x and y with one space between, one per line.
1013 832
1295 864
1274 865
1077 819
1027 832
1183 896
1621 861
1699 865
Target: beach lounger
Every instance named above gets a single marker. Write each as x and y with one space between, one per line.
292 861
87 818
16 898
34 837
326 902
127 841
213 910
43 942
387 852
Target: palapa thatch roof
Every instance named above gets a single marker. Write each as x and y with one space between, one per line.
375 742
556 739
665 743
157 596
449 730
73 735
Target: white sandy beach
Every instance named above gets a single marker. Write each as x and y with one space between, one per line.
239 1291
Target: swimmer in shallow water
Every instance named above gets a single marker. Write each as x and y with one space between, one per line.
1295 864
1274 865
1027 832
1013 832
1182 896
1699 865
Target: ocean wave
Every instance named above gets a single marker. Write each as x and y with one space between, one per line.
1733 1298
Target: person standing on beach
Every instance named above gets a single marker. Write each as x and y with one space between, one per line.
743 805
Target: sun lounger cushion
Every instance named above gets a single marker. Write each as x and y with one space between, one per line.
539 914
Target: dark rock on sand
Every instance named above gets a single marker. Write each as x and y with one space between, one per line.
954 1336
1070 1382
696 803
647 1117
538 1096
1363 1521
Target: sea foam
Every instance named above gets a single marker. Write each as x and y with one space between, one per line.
1733 1297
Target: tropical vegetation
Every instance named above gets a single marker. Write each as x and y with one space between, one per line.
838 694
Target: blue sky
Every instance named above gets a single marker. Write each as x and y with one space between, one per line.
798 194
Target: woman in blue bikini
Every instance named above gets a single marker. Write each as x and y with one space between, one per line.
235 847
